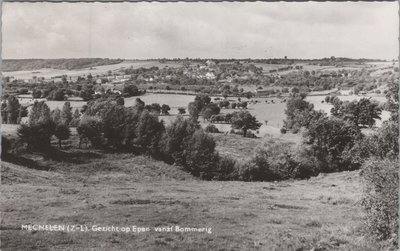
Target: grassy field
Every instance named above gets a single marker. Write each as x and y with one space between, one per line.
126 190
49 73
91 187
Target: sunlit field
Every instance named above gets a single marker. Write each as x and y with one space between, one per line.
98 70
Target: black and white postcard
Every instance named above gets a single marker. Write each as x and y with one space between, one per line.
200 125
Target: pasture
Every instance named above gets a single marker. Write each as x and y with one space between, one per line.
92 187
274 112
98 187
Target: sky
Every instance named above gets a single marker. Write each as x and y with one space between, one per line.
201 30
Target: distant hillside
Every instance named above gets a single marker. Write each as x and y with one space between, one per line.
62 64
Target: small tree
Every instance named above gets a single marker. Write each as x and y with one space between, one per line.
194 109
66 114
37 135
181 110
130 91
56 116
175 138
13 107
139 104
244 121
165 109
76 118
209 110
22 113
90 128
62 132
120 101
154 108
56 94
249 95
36 93
149 131
40 112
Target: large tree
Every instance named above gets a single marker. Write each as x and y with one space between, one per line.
130 90
244 121
329 138
362 113
298 113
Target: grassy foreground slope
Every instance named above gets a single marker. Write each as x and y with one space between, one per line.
105 189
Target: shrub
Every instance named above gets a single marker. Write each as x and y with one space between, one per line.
200 156
175 138
250 171
211 128
5 145
383 144
226 169
272 161
380 199
283 130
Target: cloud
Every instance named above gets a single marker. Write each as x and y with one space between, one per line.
219 30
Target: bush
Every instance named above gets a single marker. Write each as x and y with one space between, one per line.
383 145
380 199
283 130
175 138
272 161
5 145
226 169
211 128
200 156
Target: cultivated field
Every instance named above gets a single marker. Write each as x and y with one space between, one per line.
49 73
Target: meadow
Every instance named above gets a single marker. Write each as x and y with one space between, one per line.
92 187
